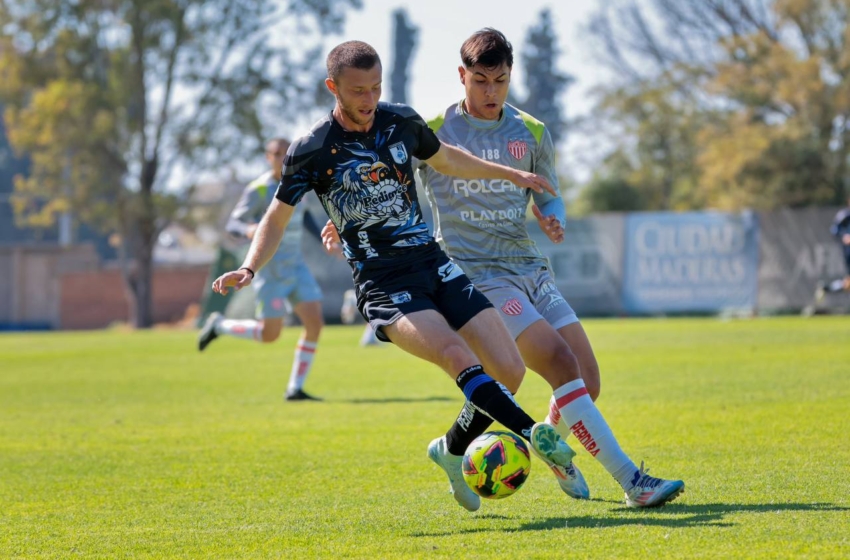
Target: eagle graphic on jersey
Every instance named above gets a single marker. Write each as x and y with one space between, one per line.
367 191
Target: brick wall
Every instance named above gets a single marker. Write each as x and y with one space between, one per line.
96 299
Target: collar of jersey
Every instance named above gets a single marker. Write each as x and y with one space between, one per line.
479 123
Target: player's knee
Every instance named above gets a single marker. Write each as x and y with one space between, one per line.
564 364
510 373
457 357
269 335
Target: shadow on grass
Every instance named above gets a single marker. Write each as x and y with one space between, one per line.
398 400
673 515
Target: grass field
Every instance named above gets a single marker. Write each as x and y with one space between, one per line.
120 445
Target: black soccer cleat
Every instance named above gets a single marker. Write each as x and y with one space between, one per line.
208 333
300 395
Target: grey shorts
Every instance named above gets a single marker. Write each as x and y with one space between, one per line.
276 295
524 300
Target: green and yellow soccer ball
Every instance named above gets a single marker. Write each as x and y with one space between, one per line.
496 464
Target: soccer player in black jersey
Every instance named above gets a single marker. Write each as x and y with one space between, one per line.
358 161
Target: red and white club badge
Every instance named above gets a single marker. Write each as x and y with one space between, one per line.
518 148
512 307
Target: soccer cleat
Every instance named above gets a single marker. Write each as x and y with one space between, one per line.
648 491
570 480
820 293
548 446
208 333
300 395
453 465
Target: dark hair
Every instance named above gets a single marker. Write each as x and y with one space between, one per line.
487 47
351 54
278 141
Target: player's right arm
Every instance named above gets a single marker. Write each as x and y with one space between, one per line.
263 247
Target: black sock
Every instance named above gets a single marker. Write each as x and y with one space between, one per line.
470 424
494 400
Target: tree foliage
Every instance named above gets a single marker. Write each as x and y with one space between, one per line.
755 97
108 97
544 83
405 35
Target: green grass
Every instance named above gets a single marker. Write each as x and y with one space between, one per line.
117 445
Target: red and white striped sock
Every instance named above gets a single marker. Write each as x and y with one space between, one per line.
301 364
241 328
575 412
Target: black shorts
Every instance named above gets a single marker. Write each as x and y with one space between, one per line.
423 278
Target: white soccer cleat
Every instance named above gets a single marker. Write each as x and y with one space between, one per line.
453 465
570 480
548 446
648 491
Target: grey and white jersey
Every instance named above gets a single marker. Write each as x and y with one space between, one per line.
481 222
250 209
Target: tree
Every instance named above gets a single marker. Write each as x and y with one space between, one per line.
544 83
108 98
404 43
765 86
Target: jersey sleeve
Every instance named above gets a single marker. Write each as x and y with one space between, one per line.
297 176
543 163
427 142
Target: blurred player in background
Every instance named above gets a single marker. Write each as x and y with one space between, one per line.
840 229
481 225
284 286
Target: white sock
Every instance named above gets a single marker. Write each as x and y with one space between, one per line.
301 364
576 413
241 328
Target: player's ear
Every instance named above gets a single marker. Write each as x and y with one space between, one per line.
331 85
462 71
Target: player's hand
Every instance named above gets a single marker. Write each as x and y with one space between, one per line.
845 238
330 239
236 279
537 183
550 225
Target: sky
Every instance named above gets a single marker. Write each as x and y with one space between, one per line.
445 24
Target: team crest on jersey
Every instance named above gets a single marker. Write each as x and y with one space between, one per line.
518 148
512 307
399 152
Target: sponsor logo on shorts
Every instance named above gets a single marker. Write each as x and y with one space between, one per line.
401 297
512 307
469 287
277 304
449 271
554 301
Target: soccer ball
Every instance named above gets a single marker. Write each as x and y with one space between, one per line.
496 464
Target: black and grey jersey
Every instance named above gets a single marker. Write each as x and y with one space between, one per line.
364 180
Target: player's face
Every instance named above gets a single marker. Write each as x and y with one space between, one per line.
486 89
357 94
275 152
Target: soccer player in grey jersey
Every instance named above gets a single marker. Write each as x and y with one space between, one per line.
285 285
481 225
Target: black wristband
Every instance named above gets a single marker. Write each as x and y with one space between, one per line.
249 270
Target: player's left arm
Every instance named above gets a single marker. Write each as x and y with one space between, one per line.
548 208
